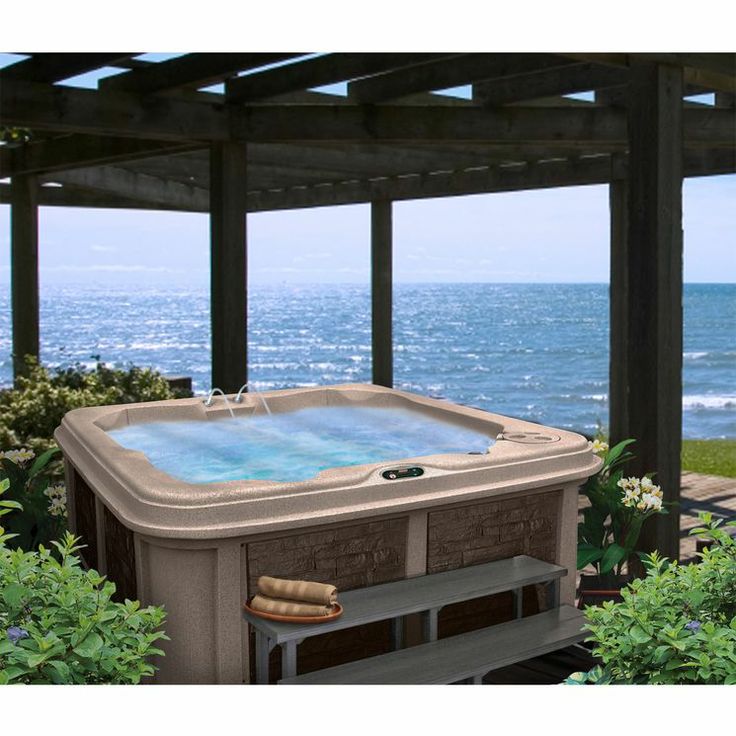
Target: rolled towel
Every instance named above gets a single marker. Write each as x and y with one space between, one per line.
297 590
282 607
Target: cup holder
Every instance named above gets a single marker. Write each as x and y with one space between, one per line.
529 438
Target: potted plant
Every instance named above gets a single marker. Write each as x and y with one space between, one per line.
609 531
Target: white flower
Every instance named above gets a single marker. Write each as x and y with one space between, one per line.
599 447
19 457
57 499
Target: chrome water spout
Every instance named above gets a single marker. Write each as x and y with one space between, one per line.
210 397
244 387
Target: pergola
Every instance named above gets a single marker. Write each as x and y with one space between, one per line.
151 138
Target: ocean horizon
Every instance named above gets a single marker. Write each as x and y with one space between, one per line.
536 351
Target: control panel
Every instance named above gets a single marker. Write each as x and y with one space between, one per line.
399 473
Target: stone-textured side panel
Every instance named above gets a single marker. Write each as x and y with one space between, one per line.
494 530
350 557
120 556
86 519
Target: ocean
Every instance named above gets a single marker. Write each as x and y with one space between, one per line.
537 351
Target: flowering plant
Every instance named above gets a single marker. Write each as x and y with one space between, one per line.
43 513
619 506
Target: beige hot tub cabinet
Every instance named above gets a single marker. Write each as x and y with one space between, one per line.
199 548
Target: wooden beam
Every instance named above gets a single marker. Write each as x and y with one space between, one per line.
72 110
49 68
618 398
460 70
316 72
381 293
24 270
556 81
71 151
162 118
652 363
698 70
586 169
137 187
229 280
190 69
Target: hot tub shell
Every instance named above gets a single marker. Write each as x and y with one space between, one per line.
198 548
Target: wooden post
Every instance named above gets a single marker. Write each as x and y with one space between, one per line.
618 400
228 266
381 293
652 362
24 269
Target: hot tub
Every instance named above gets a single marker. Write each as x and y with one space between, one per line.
351 484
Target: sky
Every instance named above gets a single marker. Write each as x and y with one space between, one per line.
553 235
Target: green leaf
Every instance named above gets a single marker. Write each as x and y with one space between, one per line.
638 635
14 594
611 557
587 554
42 461
90 646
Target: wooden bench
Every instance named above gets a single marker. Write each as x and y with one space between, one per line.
426 595
465 657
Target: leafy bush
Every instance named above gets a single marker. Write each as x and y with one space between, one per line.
59 625
676 625
41 514
33 409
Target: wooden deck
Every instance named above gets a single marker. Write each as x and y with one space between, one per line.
700 492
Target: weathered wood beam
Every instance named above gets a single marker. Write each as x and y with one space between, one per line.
24 270
70 151
49 68
482 180
136 186
191 69
68 109
228 266
382 293
71 196
698 69
556 81
441 74
316 72
509 124
88 111
547 173
651 367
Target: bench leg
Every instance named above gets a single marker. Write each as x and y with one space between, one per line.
478 680
288 659
397 632
262 650
518 602
430 624
553 594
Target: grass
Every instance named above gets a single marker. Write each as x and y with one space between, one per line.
715 457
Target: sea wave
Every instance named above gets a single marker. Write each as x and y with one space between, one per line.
708 401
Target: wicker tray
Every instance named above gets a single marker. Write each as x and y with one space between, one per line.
336 613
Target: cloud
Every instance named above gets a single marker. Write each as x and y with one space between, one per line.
103 248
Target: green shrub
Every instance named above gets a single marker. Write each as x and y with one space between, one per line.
676 625
33 409
59 625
